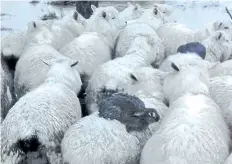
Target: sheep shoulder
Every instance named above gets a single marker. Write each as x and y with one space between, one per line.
191 119
86 144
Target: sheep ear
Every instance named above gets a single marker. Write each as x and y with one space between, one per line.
45 62
219 36
34 24
138 113
75 15
75 63
174 66
93 8
103 14
132 76
155 11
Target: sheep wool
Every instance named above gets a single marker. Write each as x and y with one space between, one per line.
68 28
114 74
35 125
7 89
131 12
30 70
141 26
229 159
221 92
193 129
105 22
222 69
90 50
121 124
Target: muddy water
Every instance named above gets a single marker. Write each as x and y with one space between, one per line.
16 14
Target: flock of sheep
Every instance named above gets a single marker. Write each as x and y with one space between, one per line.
123 87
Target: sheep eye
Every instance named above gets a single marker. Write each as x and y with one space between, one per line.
113 17
151 114
226 27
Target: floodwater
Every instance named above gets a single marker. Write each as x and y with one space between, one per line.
16 14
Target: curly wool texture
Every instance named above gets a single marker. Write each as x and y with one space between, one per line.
68 28
47 112
30 70
136 28
229 159
13 43
218 47
222 69
193 130
90 50
93 140
7 89
115 73
221 92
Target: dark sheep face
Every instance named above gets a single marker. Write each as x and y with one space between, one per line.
129 110
194 47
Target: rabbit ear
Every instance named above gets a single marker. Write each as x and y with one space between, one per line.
75 63
75 15
93 8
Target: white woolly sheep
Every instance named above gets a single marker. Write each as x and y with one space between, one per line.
229 159
222 69
135 28
15 44
193 129
221 92
104 21
131 12
114 74
176 34
67 28
7 89
113 135
35 125
30 70
90 50
218 47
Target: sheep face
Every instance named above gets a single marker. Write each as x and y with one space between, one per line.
129 110
165 9
221 26
218 46
38 33
153 17
133 11
104 21
185 79
64 71
75 23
